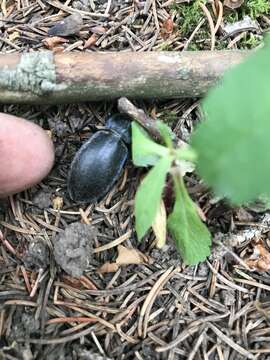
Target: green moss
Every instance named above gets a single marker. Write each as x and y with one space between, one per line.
252 8
255 8
190 15
169 117
166 47
193 47
231 16
250 41
221 44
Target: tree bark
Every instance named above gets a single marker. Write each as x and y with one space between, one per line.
47 78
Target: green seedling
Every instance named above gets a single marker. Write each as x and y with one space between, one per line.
230 149
184 222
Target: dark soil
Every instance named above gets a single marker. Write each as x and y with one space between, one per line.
54 304
73 248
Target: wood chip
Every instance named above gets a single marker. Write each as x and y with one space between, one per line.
90 41
52 42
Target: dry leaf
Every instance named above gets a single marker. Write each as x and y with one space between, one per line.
70 280
52 42
87 283
159 226
71 25
243 215
167 28
90 42
233 4
49 133
6 8
185 167
58 49
200 212
57 203
14 36
260 259
153 113
98 30
108 268
128 256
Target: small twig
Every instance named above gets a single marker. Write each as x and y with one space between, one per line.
231 343
71 10
97 343
148 303
113 243
107 11
227 282
78 319
147 6
220 16
34 289
193 34
197 344
26 280
87 283
8 42
211 25
154 8
61 340
189 331
233 42
126 106
7 244
214 6
167 3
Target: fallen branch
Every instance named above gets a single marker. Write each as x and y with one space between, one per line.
44 77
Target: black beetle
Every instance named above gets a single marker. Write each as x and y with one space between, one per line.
98 163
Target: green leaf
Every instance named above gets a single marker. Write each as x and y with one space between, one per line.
144 150
147 199
186 153
192 237
233 142
166 133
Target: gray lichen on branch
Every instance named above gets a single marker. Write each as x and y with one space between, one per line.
35 73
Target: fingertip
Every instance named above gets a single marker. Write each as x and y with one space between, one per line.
26 154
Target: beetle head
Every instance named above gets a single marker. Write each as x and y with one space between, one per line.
121 124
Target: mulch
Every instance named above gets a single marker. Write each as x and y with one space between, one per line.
160 309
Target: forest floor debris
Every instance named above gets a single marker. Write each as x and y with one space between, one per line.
152 310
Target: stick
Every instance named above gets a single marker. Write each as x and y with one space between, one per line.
125 106
47 78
